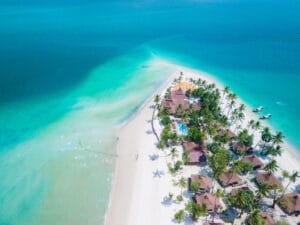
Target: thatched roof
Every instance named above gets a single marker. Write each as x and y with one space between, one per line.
228 178
241 148
176 98
269 179
211 201
254 160
235 191
193 146
205 181
223 132
290 203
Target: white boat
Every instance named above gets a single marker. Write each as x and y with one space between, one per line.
264 117
258 109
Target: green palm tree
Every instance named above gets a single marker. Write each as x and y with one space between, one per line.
242 107
257 125
156 100
266 135
230 106
263 190
243 200
251 124
271 167
292 179
194 210
278 138
255 218
181 183
273 151
173 153
179 216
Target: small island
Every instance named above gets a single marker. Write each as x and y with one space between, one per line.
196 154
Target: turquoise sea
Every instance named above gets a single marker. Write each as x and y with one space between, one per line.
71 71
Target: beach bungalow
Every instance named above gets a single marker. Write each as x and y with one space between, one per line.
235 191
211 202
269 179
205 182
290 203
229 178
196 157
223 132
254 160
196 153
176 99
240 148
193 146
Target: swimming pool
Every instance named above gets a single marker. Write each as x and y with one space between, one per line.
182 129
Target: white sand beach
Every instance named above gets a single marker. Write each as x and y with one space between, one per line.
141 185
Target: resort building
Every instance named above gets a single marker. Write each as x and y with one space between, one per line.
235 191
229 178
240 148
196 157
196 153
205 182
269 179
290 203
254 160
211 202
178 99
193 146
175 99
227 132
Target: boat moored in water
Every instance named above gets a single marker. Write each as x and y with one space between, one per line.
258 109
264 117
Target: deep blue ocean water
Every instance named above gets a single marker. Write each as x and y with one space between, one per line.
63 63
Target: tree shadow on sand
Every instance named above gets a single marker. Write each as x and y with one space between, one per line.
158 173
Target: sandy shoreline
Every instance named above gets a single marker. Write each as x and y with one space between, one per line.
137 195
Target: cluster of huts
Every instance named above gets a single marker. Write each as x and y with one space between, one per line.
197 154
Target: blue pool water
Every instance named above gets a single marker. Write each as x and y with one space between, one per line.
182 129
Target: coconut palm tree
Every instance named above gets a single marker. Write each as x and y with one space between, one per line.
251 124
173 153
278 138
266 135
273 151
263 190
257 126
225 91
255 218
230 106
240 117
156 100
271 167
243 200
292 179
194 210
179 216
242 107
181 183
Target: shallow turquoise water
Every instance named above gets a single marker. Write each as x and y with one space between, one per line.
71 71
